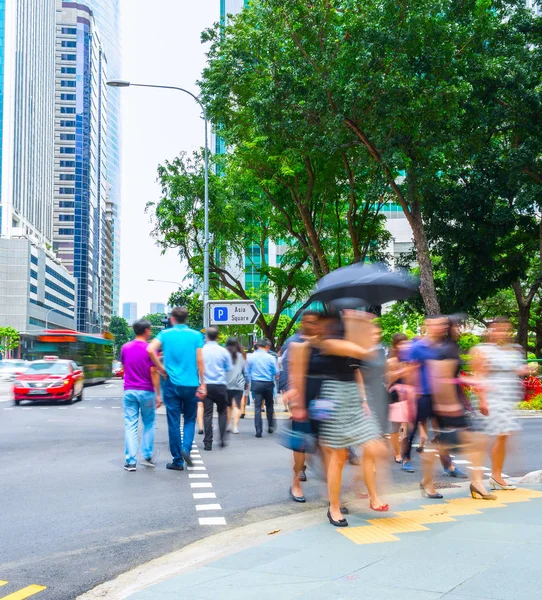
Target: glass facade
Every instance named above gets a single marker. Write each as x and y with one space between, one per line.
81 206
107 17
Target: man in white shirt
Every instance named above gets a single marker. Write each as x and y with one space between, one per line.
217 361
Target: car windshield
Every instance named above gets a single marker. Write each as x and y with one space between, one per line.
48 368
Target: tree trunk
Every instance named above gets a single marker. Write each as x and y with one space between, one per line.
524 311
427 279
538 331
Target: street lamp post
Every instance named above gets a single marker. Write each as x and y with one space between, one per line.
119 84
53 310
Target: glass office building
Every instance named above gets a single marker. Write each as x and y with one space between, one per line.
107 18
81 212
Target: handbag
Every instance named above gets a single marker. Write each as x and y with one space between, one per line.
404 410
300 439
322 409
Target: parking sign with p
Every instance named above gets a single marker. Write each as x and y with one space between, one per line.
220 313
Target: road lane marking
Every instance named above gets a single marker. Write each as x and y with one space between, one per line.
197 468
197 462
204 495
198 476
80 407
462 462
45 407
212 521
201 484
208 507
97 407
26 592
10 408
28 407
115 407
62 407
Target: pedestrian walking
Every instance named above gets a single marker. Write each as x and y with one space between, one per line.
344 417
402 393
499 363
237 383
184 382
141 396
429 348
262 371
217 363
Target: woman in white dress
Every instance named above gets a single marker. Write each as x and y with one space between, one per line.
499 364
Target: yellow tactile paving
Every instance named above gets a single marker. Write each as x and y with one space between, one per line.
426 516
24 593
397 525
381 530
475 504
451 510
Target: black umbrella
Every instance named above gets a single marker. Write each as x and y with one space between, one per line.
373 283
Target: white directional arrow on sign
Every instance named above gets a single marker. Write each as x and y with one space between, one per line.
232 312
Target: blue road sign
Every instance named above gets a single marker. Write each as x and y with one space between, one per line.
220 313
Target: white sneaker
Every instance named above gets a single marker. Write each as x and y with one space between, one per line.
235 430
228 428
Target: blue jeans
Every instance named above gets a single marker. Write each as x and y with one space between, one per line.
134 402
180 399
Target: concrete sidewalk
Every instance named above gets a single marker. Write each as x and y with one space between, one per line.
456 548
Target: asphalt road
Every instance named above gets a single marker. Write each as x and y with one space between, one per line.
71 517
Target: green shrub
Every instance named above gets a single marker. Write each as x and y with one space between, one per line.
467 341
534 404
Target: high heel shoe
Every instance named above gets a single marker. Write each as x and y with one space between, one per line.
478 495
426 494
495 485
340 523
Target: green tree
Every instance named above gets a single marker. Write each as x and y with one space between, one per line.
157 322
193 302
122 331
394 88
9 340
241 219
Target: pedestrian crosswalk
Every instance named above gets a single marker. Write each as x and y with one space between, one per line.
22 593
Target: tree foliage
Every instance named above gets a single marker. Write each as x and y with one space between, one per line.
393 99
193 303
9 340
123 333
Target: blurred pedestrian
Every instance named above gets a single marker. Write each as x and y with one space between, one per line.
428 348
344 417
263 371
499 364
237 383
218 363
184 383
141 396
402 394
303 389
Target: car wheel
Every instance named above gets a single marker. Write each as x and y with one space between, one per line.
72 398
16 402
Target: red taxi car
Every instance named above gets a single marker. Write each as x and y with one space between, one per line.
50 379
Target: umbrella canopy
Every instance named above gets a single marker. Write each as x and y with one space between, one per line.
347 303
373 283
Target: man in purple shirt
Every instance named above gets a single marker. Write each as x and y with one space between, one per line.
141 394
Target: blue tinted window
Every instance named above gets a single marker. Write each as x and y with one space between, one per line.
68 56
67 163
69 31
66 217
66 231
66 190
68 96
68 83
67 150
69 44
66 204
67 110
33 260
33 288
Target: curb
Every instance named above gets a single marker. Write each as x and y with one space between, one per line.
214 547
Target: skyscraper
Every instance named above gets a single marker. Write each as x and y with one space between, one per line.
157 307
107 16
81 212
35 288
129 312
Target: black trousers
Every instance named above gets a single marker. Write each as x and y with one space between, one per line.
216 394
263 390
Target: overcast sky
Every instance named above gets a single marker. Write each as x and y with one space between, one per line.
160 45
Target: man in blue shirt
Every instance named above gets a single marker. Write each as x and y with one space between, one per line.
217 362
262 371
184 379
